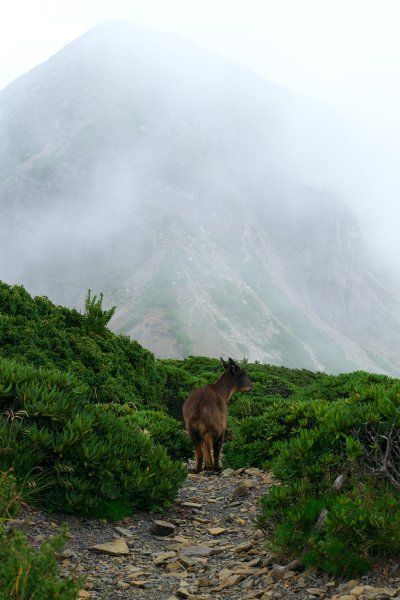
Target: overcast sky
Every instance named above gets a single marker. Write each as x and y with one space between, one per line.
343 52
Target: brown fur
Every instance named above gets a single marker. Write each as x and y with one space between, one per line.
205 413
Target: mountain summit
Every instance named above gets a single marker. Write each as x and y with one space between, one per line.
138 164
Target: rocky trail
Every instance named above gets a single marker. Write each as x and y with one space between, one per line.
204 548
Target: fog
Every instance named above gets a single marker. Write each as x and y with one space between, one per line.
343 57
168 167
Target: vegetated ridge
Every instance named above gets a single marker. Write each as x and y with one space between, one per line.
90 424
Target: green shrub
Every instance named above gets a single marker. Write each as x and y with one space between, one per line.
177 385
95 318
334 387
9 498
117 369
357 437
253 439
298 378
26 572
202 367
78 457
249 441
161 428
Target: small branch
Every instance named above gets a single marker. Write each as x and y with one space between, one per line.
393 481
294 565
297 564
321 519
338 483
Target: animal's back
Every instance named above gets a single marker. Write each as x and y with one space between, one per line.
205 411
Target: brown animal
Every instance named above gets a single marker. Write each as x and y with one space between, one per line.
205 413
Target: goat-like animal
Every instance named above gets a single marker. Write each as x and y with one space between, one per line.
205 412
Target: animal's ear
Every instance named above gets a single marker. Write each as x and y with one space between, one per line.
232 366
224 363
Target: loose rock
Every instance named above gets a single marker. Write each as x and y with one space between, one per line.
217 548
117 547
162 528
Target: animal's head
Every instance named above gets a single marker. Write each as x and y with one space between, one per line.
242 382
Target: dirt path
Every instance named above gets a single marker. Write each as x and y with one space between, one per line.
212 552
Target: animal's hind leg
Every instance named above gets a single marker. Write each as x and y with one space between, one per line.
198 450
217 452
208 451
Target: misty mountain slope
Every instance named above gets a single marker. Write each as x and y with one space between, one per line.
140 165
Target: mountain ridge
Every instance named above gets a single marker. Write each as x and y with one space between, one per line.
164 179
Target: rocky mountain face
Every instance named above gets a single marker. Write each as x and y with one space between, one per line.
140 165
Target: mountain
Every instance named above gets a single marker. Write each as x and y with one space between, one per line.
138 164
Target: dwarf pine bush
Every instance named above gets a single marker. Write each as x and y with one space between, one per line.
116 369
70 455
159 427
24 571
357 437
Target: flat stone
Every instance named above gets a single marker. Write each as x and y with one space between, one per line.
270 595
360 589
216 530
314 591
289 575
256 562
267 478
187 561
227 472
174 566
200 520
244 570
123 585
276 574
181 539
194 505
236 503
344 588
162 528
227 582
138 574
117 547
241 490
381 592
163 557
196 551
243 548
68 553
250 483
253 471
139 583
